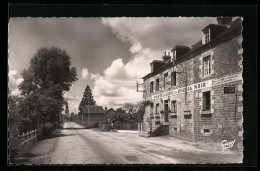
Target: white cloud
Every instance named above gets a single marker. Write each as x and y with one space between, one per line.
15 92
94 76
136 47
116 70
117 86
84 73
13 82
19 80
70 97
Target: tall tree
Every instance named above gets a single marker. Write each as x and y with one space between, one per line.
47 78
87 98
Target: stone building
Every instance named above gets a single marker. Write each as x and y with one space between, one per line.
195 92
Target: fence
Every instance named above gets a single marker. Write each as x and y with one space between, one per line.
126 126
28 140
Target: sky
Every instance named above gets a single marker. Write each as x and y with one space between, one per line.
109 54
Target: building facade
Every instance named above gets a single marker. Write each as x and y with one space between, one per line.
197 90
92 115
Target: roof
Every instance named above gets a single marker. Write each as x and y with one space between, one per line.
157 61
109 110
215 25
92 109
180 46
233 29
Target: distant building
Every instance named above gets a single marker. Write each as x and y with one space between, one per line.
109 112
67 113
92 114
195 92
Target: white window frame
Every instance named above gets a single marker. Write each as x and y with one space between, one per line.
157 88
157 108
207 37
165 79
207 65
175 108
173 78
152 87
151 108
203 104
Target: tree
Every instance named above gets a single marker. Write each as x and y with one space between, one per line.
47 78
87 99
14 119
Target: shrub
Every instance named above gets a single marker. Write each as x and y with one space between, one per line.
95 125
48 128
105 127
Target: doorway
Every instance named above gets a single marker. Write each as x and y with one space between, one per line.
166 107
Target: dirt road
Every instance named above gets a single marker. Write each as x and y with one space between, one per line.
85 146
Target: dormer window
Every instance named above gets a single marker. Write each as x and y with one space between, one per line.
207 37
212 31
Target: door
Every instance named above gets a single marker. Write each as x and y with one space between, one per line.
166 119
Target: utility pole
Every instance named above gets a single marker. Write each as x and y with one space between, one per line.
81 116
88 112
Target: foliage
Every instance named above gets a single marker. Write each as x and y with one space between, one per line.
48 128
47 78
14 124
87 99
105 127
135 114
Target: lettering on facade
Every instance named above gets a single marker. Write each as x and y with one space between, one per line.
198 86
201 85
227 79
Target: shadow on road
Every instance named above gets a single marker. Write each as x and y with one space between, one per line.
74 128
55 134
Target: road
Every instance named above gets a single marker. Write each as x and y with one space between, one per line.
85 146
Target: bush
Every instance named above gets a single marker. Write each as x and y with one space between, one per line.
95 125
48 128
105 127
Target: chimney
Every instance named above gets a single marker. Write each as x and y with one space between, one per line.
167 56
224 20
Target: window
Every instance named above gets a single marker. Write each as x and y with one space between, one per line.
151 112
206 100
157 108
207 38
157 84
151 87
206 66
165 80
174 106
175 129
206 131
173 79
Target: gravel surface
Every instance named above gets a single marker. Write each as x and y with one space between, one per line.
74 145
